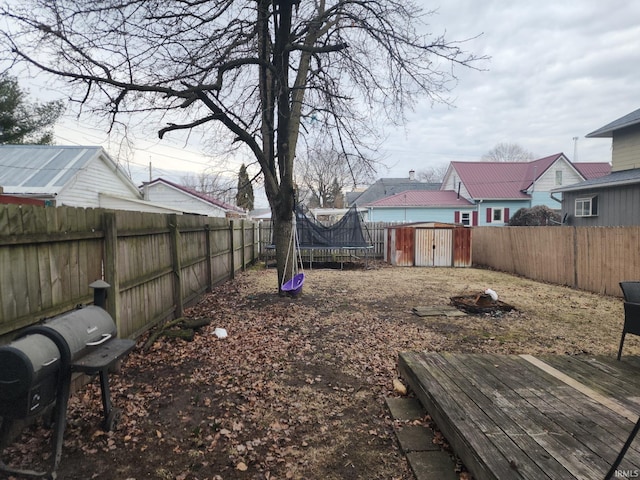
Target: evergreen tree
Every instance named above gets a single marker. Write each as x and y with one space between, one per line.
22 122
244 197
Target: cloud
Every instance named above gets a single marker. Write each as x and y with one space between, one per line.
558 70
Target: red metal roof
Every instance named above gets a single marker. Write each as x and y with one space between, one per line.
423 198
504 180
593 169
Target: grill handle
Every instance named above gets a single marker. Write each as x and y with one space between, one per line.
50 362
9 382
105 337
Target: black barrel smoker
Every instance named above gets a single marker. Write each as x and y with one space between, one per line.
36 369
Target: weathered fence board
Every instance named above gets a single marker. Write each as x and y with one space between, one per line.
49 256
589 258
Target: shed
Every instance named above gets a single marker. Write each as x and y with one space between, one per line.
75 176
429 244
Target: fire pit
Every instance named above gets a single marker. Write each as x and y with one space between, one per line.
479 303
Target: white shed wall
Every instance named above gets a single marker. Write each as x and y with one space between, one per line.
85 189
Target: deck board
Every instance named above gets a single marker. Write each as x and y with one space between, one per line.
507 418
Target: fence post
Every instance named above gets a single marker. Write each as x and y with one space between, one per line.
174 236
243 254
232 273
255 250
111 269
207 232
575 257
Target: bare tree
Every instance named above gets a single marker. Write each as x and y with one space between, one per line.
326 172
508 152
211 183
432 174
257 69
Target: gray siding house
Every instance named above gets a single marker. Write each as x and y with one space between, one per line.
612 200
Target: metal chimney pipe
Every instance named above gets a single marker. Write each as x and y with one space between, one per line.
100 293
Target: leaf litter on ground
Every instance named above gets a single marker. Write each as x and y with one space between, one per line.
297 387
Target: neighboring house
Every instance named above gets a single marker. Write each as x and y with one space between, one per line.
422 206
498 189
69 175
386 187
260 214
187 200
611 200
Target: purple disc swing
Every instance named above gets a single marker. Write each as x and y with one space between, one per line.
293 286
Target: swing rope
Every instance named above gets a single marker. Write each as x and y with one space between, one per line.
297 255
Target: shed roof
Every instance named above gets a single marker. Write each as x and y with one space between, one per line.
47 169
423 198
629 120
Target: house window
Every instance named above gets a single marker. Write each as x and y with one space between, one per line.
558 177
587 206
465 218
497 214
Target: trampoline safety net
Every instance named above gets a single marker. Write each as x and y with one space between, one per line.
346 233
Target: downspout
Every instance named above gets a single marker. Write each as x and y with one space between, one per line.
478 209
559 200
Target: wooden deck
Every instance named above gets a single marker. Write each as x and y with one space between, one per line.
522 417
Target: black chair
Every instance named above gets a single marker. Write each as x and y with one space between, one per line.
631 291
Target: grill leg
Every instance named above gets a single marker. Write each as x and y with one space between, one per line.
60 418
111 414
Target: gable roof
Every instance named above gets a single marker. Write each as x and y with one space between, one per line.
591 170
48 169
385 187
423 198
629 120
193 193
504 180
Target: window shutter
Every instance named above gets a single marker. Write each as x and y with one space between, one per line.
456 216
489 212
474 222
506 215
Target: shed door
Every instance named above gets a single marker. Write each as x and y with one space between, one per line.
403 247
434 247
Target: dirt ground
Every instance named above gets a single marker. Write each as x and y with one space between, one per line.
297 388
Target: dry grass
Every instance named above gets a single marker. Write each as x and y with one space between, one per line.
297 389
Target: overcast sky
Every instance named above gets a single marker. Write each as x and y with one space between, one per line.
558 70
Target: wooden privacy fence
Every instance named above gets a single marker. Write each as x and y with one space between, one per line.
156 264
595 259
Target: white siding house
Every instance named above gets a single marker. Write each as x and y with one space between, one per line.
70 175
178 197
